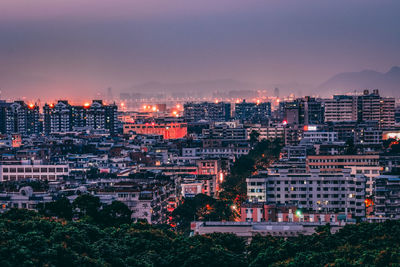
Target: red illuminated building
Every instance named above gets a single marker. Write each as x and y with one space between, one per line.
167 130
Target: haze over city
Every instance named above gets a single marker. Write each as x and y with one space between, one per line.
77 49
224 133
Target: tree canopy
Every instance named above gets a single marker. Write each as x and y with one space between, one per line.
29 239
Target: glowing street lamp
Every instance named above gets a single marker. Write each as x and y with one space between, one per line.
299 213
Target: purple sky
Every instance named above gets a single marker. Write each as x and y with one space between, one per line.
78 48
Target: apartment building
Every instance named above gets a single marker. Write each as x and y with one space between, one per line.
208 111
341 108
387 197
314 190
367 165
225 132
23 171
22 118
63 117
318 137
267 132
25 198
169 130
252 112
262 212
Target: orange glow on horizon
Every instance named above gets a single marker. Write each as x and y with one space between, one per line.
86 105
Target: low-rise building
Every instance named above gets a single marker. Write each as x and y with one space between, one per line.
17 171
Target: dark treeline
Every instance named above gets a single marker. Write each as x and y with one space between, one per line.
29 239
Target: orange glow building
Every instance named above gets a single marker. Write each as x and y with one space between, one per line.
169 130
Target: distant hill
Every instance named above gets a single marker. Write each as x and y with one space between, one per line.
388 83
229 87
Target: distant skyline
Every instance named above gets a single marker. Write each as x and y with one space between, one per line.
78 48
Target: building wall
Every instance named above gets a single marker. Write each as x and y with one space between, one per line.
167 130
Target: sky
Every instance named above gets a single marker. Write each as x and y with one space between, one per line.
52 49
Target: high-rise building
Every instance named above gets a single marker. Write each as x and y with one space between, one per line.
293 113
208 111
341 108
3 111
58 117
387 197
368 107
313 111
63 117
306 111
397 114
22 118
373 107
253 112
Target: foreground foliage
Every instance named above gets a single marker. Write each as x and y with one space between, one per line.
28 239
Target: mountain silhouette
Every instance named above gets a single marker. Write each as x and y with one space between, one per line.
388 83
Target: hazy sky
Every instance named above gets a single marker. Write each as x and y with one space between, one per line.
75 48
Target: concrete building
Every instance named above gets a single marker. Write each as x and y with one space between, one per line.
318 137
25 198
208 111
253 112
314 190
225 132
270 132
367 165
63 117
169 130
262 212
373 107
387 197
304 111
22 118
32 170
249 229
341 108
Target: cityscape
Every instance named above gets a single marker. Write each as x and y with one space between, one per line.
197 170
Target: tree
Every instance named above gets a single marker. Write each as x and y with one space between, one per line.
201 208
93 173
61 208
254 136
87 206
115 214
